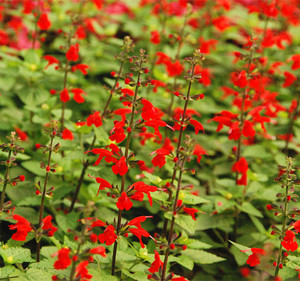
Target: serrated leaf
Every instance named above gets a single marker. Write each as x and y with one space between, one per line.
34 274
139 276
153 179
186 222
68 221
16 254
202 257
9 270
241 248
186 262
192 199
48 251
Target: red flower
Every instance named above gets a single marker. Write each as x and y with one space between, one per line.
296 61
155 124
155 37
63 259
67 134
254 259
198 126
140 188
239 79
157 264
103 183
199 151
95 119
248 130
124 202
179 279
22 226
296 226
78 95
82 272
118 132
174 69
289 79
64 95
102 153
47 225
137 221
108 236
149 111
191 212
139 232
289 241
22 135
72 53
81 67
120 167
241 166
44 22
51 60
160 159
80 33
100 250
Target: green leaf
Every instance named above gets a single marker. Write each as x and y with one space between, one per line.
186 222
139 276
9 270
241 247
68 221
34 274
250 209
48 251
16 255
34 167
186 262
189 198
201 257
152 179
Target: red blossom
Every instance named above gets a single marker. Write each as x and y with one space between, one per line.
157 264
82 272
137 221
67 134
64 95
72 53
120 167
51 60
241 166
289 241
239 79
248 130
22 226
78 95
100 250
199 151
139 233
44 22
124 202
289 79
103 183
140 188
254 258
191 212
197 125
296 61
108 236
174 69
63 258
81 67
149 111
103 153
22 135
296 226
95 119
47 225
155 37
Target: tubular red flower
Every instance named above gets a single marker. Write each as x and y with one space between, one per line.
22 226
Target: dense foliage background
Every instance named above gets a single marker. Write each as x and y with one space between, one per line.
190 104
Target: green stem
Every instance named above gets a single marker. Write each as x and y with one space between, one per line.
87 163
6 178
43 198
124 176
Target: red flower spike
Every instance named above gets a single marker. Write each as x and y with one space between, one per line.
51 60
64 260
72 53
199 151
67 134
289 241
100 250
22 226
47 225
124 202
95 119
44 22
82 272
157 264
120 167
241 166
108 236
64 95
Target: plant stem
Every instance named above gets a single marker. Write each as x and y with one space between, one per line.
43 197
86 163
283 229
165 226
124 176
6 178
